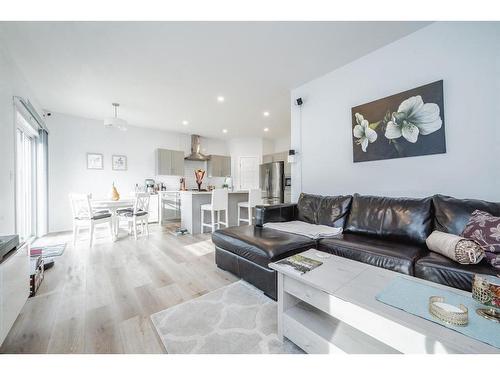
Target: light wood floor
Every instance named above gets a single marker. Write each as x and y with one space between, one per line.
99 299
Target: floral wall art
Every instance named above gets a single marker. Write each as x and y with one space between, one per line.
410 123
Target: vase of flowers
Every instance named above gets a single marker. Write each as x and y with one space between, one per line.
199 174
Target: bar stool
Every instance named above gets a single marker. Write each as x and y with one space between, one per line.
219 203
254 199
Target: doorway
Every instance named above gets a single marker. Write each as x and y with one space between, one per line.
249 172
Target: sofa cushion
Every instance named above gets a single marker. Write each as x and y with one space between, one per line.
452 214
308 207
260 245
333 211
325 210
439 269
391 255
401 219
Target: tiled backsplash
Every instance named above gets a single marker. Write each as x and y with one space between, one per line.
172 182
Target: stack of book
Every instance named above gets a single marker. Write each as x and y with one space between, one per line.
36 274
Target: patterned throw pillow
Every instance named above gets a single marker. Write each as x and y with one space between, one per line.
484 228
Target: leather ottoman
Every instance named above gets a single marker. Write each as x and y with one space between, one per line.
247 250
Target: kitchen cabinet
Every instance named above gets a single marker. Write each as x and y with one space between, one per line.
219 166
279 156
267 158
169 162
170 206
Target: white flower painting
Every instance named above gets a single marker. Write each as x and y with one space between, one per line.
407 124
413 118
363 132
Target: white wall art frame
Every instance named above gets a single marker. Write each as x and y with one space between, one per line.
119 162
95 161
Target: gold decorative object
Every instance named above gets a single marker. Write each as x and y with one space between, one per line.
449 314
114 193
199 174
486 290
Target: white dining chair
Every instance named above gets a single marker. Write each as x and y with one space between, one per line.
139 214
85 216
219 203
254 199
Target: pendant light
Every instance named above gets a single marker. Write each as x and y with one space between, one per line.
116 122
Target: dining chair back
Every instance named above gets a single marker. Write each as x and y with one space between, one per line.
80 206
141 202
138 215
84 216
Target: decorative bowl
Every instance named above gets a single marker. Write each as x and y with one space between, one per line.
486 290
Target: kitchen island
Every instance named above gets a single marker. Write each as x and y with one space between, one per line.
191 201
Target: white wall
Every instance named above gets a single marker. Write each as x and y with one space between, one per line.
12 83
282 144
466 57
72 137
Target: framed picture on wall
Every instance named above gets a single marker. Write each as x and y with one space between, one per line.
95 161
410 123
119 162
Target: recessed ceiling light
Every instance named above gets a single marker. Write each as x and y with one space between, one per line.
266 129
266 114
185 122
220 99
224 130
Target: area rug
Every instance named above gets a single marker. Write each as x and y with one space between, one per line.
48 251
235 319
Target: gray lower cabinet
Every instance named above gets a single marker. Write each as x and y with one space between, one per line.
169 162
219 166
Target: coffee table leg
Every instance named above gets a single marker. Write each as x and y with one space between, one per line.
280 306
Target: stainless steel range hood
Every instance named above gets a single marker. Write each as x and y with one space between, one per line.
195 150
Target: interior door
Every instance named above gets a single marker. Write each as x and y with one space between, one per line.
249 172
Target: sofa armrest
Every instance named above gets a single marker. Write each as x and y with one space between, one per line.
275 213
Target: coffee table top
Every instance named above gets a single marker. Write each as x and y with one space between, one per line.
358 283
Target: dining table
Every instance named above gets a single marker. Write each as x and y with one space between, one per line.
113 206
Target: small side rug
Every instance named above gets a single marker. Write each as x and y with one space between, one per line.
235 319
48 251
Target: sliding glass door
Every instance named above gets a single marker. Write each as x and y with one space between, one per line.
26 215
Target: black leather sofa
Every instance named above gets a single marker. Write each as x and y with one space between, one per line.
381 231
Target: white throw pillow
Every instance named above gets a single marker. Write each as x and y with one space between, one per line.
459 249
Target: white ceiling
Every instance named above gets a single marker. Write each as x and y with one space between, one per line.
165 72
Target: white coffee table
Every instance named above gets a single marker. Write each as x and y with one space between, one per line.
332 309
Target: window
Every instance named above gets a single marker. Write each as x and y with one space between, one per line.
25 179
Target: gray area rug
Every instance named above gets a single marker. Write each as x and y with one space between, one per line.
235 319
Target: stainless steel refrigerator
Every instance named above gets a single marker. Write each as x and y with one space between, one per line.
271 182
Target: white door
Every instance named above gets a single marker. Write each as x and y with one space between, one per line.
249 172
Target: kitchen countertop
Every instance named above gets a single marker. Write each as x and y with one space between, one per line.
195 192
